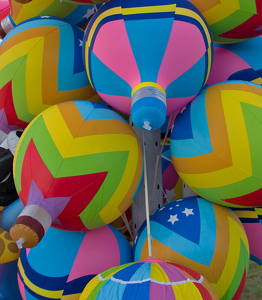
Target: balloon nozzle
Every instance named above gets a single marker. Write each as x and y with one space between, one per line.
146 125
19 243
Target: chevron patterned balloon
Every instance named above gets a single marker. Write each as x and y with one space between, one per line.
148 58
77 165
40 65
232 21
21 11
239 61
216 144
203 236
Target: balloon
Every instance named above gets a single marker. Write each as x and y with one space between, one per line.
149 279
4 9
41 65
216 144
203 236
148 64
252 222
88 2
6 160
8 248
13 138
9 214
77 165
74 14
232 21
239 61
64 262
8 192
8 281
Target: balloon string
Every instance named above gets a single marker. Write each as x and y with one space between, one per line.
149 238
95 8
124 218
158 160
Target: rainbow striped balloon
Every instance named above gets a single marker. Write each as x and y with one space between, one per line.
149 279
203 236
232 21
239 61
216 144
70 12
79 163
64 262
151 55
41 65
251 219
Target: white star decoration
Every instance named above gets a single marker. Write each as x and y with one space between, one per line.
89 13
188 212
80 43
173 219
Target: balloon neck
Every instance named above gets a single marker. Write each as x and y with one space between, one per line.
147 125
148 107
20 243
5 26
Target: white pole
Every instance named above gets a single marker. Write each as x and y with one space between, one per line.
149 238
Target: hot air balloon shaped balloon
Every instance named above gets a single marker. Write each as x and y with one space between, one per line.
148 58
23 10
216 144
4 9
149 279
232 21
77 165
64 262
41 65
203 236
239 61
251 219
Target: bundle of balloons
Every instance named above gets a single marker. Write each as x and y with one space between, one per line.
76 77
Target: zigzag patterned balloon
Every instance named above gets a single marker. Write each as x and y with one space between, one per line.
216 144
40 65
78 164
232 21
72 13
148 58
203 236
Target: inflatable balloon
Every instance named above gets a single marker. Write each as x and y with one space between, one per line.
239 61
8 248
216 144
251 219
9 289
203 236
4 9
88 2
149 279
74 14
77 165
64 262
232 21
8 192
9 214
13 138
148 59
6 161
41 65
